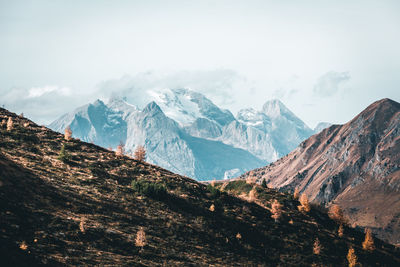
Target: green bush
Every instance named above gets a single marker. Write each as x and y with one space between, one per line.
64 156
215 193
153 190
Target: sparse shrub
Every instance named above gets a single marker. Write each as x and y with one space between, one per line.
276 210
336 213
212 208
68 133
368 243
296 193
305 205
352 257
23 245
140 240
317 247
238 236
140 154
82 224
215 193
264 183
10 124
157 191
340 230
64 156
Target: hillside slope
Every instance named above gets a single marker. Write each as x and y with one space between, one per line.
87 207
356 165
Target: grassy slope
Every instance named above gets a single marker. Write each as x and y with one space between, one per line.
44 200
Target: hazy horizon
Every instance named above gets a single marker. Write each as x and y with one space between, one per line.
326 61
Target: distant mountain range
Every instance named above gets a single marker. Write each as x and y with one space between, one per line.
185 132
356 165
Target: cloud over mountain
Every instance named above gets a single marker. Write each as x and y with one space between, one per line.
328 84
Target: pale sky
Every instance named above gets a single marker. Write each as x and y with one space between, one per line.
326 60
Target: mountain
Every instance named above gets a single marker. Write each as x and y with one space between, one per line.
322 125
355 165
166 142
270 133
182 130
90 207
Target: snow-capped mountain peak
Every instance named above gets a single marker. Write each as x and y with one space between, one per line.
254 118
275 108
185 106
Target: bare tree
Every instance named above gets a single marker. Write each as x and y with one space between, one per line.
276 210
368 243
68 133
140 153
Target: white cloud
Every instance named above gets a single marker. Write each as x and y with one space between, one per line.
221 86
328 84
42 104
40 91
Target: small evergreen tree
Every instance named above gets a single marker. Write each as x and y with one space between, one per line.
120 149
64 155
336 213
352 257
276 210
296 193
10 124
140 153
340 230
305 205
140 240
317 247
368 243
68 133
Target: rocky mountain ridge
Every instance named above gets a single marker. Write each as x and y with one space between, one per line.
355 165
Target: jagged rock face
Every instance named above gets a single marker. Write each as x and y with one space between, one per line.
178 120
95 123
204 128
254 140
356 165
